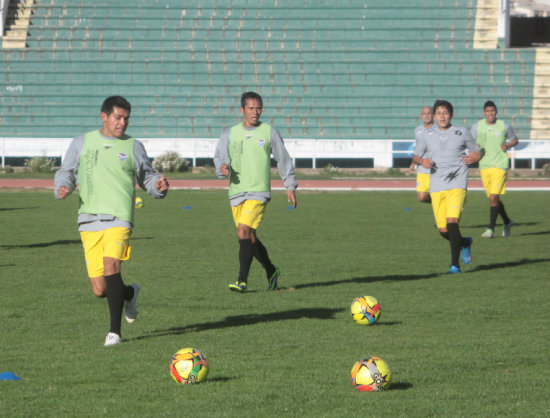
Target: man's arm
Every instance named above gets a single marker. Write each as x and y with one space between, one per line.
284 162
509 134
221 155
147 177
420 149
66 178
474 150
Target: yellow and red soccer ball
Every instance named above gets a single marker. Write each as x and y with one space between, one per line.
365 310
138 202
370 374
189 365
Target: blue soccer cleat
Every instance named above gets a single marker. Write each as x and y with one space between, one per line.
467 251
453 270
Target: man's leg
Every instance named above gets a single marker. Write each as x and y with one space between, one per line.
458 243
260 253
246 251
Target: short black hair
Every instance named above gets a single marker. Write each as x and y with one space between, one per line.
118 101
250 95
445 104
489 103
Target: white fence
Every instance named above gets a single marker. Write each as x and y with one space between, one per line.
381 151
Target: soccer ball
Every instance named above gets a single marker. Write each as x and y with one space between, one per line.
370 374
365 310
189 365
139 202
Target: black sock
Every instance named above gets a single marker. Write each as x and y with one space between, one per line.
503 214
444 235
128 292
456 241
246 254
493 217
260 253
115 299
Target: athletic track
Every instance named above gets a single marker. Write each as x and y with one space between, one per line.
325 185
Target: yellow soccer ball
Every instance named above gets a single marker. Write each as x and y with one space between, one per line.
365 310
189 365
370 375
139 202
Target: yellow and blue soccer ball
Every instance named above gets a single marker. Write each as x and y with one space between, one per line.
370 375
139 202
365 310
189 365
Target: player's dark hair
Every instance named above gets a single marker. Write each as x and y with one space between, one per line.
118 101
489 103
250 95
443 103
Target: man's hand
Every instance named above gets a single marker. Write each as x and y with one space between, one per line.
224 169
63 192
292 197
162 184
427 162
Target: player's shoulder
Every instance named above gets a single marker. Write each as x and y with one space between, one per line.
460 130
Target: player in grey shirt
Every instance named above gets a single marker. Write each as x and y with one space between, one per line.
447 153
423 174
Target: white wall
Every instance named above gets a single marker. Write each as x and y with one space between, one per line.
382 151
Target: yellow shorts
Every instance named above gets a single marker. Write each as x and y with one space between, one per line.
422 182
494 180
249 212
447 204
112 242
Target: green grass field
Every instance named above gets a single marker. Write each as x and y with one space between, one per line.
475 344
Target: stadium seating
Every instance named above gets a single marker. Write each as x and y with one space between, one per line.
361 71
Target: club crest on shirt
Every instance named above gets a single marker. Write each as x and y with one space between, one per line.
498 133
261 142
458 132
122 156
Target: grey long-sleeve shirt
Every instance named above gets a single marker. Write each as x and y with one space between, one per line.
280 154
67 175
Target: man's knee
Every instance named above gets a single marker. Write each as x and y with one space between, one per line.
245 232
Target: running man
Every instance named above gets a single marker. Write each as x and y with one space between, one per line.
495 137
243 153
447 153
423 174
106 164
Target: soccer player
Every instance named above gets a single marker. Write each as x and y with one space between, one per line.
495 137
423 174
447 153
243 153
105 164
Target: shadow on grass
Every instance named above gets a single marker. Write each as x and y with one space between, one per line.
389 278
507 264
32 207
51 244
533 233
44 244
400 386
240 320
515 224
